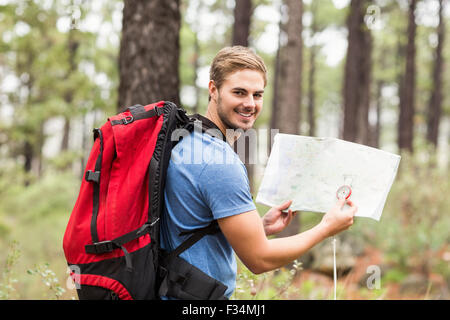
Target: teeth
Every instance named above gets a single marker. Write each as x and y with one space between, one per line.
245 114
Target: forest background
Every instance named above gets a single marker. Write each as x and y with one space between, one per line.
372 72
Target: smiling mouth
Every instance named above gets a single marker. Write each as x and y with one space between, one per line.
246 115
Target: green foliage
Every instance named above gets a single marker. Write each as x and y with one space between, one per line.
277 284
394 276
7 284
36 215
64 160
414 226
49 279
421 204
326 15
49 196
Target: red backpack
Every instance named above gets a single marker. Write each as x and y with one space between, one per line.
111 241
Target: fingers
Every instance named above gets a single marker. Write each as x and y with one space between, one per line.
353 207
291 215
285 205
341 203
288 217
294 213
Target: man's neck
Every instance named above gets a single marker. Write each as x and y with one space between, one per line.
215 118
230 135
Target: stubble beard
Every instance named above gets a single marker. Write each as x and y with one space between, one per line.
225 119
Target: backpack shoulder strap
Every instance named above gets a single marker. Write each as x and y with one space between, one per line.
179 278
197 234
206 124
213 227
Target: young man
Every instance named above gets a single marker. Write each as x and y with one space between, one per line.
217 188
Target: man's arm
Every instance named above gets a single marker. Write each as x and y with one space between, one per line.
245 232
276 219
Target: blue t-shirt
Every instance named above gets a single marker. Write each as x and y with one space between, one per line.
205 181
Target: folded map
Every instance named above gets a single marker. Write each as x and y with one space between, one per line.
310 171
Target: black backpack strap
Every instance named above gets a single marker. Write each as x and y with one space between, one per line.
205 124
138 112
197 234
118 243
94 177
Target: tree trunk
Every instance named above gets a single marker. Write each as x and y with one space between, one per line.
196 57
241 27
357 79
83 145
72 46
149 52
66 134
435 103
365 80
277 78
290 86
312 72
196 67
375 130
28 155
406 116
311 90
288 104
32 147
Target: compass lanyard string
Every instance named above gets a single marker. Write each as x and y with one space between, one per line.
334 266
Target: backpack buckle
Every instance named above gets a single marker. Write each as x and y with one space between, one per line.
97 133
100 247
127 120
92 176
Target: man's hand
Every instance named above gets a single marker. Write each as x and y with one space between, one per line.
337 220
275 220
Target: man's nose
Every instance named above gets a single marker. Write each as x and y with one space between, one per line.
249 101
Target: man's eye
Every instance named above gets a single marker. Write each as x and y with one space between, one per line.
257 95
239 93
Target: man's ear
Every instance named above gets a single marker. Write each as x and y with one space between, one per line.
212 90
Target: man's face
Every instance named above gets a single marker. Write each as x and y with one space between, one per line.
240 99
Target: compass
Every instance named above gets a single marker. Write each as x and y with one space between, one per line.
344 192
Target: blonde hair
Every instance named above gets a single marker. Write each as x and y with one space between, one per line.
231 59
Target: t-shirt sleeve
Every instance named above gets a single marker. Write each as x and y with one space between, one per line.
225 189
